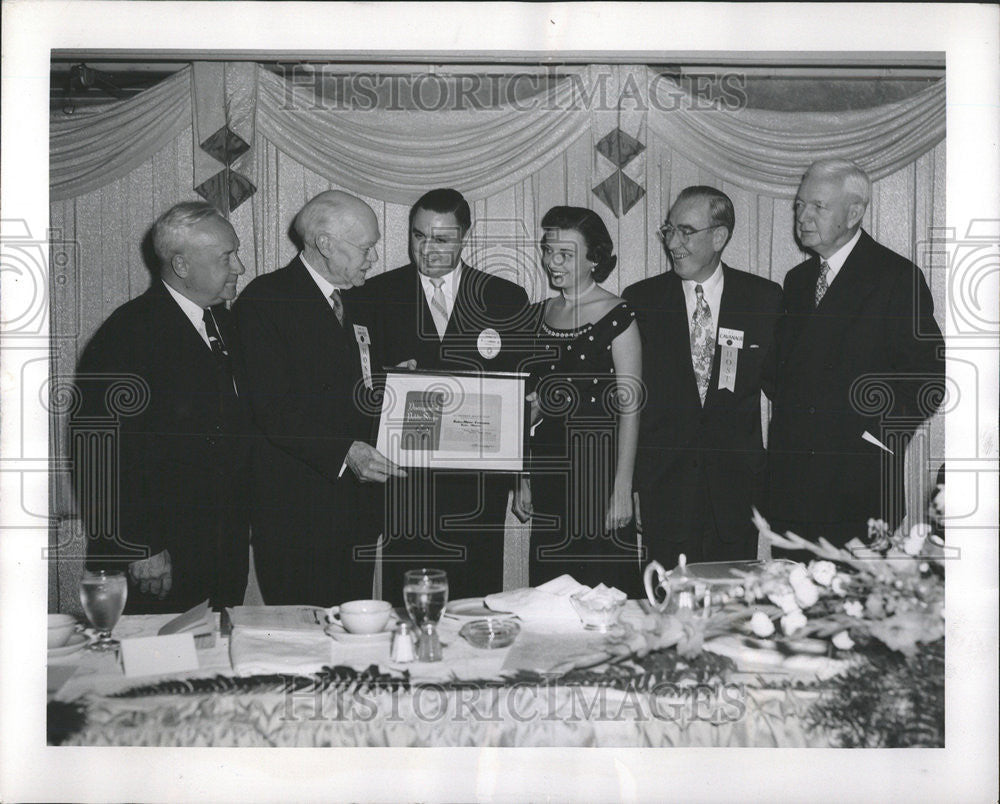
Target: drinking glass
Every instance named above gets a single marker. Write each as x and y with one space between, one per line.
102 595
425 592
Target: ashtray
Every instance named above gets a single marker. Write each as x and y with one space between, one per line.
597 614
491 633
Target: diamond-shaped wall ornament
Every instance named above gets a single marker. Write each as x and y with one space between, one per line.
619 147
619 193
610 193
632 192
225 145
226 190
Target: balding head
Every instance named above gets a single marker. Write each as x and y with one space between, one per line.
333 212
339 232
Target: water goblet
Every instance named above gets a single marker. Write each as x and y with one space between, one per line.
425 593
102 595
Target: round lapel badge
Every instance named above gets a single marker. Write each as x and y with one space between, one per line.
489 343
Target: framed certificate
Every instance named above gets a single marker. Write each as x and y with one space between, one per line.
454 420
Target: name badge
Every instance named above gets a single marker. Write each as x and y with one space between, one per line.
488 343
364 342
731 341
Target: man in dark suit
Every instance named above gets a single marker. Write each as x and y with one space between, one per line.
860 364
184 433
445 315
707 334
302 349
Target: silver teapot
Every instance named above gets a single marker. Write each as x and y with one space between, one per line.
675 592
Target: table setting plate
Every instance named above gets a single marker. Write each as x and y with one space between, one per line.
471 608
341 634
77 642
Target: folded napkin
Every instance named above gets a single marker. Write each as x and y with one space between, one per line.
547 602
255 650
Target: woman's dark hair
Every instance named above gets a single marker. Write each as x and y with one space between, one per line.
600 249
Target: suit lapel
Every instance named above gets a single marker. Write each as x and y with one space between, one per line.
828 324
677 334
319 307
189 337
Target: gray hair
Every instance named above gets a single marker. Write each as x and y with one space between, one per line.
323 211
169 228
851 177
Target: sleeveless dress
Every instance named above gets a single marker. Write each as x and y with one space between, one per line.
573 457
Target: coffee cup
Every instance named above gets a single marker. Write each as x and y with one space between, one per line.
365 616
61 628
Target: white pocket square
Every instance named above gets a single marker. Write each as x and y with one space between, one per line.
754 346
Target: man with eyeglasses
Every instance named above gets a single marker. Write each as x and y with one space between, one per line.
860 366
439 313
707 338
307 382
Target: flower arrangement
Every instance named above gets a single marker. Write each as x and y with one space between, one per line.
890 590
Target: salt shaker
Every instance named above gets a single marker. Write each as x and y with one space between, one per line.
402 644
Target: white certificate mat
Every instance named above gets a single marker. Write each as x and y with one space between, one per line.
457 420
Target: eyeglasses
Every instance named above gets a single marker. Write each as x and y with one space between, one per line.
668 230
366 250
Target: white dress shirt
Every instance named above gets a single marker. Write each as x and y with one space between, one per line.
194 312
324 285
449 289
839 257
712 288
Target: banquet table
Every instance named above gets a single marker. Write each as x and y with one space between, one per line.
269 687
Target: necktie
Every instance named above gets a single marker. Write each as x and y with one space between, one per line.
821 283
439 310
218 346
702 342
338 306
214 338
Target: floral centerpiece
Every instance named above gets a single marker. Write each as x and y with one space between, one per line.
879 603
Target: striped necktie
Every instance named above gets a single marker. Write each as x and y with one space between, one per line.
439 311
702 342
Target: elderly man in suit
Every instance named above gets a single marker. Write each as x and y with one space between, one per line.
307 384
439 313
858 329
184 446
707 337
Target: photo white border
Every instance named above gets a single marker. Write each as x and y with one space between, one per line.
964 771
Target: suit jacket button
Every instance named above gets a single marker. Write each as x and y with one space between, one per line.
812 409
211 441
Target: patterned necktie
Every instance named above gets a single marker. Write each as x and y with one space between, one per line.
439 311
821 283
338 306
214 338
702 342
218 346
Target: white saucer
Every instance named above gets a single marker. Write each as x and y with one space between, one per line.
338 632
76 642
472 608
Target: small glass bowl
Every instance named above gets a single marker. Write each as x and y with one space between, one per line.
491 633
597 615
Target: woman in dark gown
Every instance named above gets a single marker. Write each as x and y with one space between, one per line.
587 377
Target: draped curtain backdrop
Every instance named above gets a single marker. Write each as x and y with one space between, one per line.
620 139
